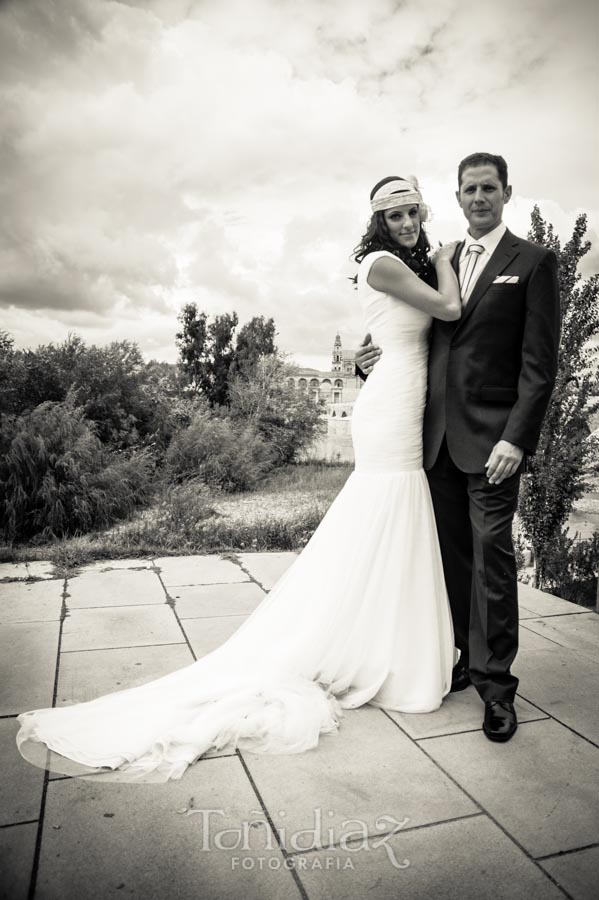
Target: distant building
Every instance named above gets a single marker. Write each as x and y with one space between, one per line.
338 387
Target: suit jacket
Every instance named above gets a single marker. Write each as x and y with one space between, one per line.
492 372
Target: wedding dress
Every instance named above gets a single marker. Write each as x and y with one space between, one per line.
361 616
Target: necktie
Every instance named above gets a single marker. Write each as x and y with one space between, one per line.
467 283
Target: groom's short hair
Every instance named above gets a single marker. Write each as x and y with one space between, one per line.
484 159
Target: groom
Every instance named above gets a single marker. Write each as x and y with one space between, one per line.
491 374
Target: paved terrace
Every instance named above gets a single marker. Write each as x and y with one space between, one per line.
472 819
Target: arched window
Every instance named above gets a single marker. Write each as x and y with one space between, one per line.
338 383
314 384
344 415
333 414
303 384
291 382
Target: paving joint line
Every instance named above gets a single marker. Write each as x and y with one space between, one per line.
40 829
128 647
559 722
545 637
16 824
432 737
275 831
382 834
171 603
233 557
567 852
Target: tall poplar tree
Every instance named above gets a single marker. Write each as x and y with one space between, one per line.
566 455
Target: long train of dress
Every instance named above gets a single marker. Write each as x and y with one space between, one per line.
361 616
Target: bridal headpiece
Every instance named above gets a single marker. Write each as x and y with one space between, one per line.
397 193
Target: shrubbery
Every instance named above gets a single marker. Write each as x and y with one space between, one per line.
87 433
56 478
286 417
572 567
218 451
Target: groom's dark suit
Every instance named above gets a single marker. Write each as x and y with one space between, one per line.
491 374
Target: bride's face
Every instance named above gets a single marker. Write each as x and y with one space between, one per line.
403 223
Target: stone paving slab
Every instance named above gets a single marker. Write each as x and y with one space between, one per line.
266 568
578 632
34 569
20 783
541 786
116 587
119 626
130 840
469 859
524 613
577 873
531 640
107 565
205 635
367 770
28 653
86 675
41 569
200 601
17 849
546 604
182 570
13 571
463 711
31 601
563 683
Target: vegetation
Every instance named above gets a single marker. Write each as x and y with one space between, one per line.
281 514
90 435
567 455
57 479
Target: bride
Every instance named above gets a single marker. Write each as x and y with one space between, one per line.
361 616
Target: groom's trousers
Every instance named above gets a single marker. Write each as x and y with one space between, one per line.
474 522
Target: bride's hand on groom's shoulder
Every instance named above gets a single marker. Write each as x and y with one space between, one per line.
367 355
444 252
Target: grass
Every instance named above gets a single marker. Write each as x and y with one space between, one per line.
281 514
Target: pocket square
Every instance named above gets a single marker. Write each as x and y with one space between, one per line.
507 279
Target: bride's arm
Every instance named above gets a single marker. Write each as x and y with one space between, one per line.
393 277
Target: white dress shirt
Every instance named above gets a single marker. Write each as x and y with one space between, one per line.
489 241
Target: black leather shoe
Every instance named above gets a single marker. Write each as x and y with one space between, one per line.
460 679
500 720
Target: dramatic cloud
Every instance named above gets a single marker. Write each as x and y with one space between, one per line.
158 152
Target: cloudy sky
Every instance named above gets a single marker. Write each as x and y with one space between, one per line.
154 152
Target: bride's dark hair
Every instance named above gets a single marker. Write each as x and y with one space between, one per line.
377 237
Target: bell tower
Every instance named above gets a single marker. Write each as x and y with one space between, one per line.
337 354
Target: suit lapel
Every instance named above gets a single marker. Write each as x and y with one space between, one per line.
505 252
455 262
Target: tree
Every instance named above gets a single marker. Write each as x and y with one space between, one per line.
287 418
209 355
221 333
566 455
255 339
108 383
192 342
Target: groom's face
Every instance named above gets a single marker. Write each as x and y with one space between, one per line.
482 198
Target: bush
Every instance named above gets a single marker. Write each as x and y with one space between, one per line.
219 452
57 480
287 418
572 568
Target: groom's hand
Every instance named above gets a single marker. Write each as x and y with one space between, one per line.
503 461
367 355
